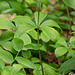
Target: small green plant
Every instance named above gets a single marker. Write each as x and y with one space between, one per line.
32 36
68 49
20 40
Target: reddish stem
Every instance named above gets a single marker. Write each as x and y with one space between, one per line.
69 18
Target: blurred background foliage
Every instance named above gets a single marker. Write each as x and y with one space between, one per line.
56 10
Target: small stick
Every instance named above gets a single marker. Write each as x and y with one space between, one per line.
69 18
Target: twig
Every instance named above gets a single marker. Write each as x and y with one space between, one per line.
69 18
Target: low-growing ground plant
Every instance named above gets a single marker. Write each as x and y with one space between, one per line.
27 38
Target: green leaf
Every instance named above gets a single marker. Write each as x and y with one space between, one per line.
64 18
44 37
15 68
6 71
43 48
34 47
59 13
0 70
37 72
35 60
72 39
23 20
62 42
8 46
70 3
25 37
29 11
16 6
6 24
60 51
17 44
52 16
5 55
73 13
71 52
26 62
72 42
73 20
41 17
20 73
64 26
8 11
26 54
50 33
38 66
48 69
73 28
24 28
5 36
48 66
30 1
33 33
68 65
50 23
2 64
4 5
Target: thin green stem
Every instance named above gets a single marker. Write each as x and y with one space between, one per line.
39 5
23 7
39 8
15 57
17 54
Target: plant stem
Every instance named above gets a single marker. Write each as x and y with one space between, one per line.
39 5
69 18
15 57
39 8
38 36
41 63
39 51
17 54
23 7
